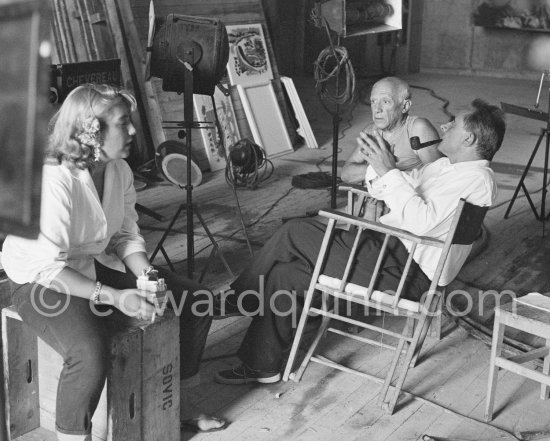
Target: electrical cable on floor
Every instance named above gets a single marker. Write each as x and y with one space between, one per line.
247 165
437 97
453 412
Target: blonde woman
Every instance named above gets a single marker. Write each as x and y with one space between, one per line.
88 255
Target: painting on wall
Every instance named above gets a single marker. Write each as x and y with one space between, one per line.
248 57
529 15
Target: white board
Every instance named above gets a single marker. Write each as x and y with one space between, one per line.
265 118
304 129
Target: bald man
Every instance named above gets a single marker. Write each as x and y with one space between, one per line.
390 101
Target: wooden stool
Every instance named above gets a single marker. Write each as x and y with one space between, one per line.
528 319
141 399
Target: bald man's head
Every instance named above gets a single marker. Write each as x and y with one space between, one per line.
390 102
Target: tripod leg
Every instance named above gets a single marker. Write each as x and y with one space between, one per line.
242 221
165 235
523 176
205 268
335 135
221 138
214 243
142 209
168 261
531 203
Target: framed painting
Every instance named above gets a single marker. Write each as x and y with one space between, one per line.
24 111
228 125
527 15
265 118
248 57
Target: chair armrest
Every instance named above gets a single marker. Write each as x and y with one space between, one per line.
354 188
357 196
381 228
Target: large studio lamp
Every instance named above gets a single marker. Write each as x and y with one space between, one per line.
190 55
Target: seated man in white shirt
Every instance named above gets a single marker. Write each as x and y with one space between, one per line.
422 201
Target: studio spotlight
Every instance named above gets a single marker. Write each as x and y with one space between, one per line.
190 55
350 18
173 36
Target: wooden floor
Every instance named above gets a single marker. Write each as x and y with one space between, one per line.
447 389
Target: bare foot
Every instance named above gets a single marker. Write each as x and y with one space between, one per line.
192 419
203 423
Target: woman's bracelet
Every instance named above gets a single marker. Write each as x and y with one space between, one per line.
150 272
96 294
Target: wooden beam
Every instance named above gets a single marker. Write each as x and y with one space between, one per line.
120 18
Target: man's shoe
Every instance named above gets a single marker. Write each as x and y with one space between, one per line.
244 375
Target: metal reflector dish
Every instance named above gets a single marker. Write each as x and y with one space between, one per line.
171 159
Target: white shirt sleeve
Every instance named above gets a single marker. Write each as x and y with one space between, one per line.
421 207
128 239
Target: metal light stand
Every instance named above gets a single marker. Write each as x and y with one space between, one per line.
188 60
545 132
224 149
335 120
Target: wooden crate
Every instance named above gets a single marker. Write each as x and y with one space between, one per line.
141 398
5 300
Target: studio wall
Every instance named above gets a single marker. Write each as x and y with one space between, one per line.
451 43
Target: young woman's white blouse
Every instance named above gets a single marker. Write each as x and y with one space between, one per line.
75 227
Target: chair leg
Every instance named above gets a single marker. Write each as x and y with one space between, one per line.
496 348
435 301
544 389
420 327
297 376
409 325
298 337
307 302
437 319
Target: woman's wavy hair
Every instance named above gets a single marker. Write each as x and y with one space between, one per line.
84 103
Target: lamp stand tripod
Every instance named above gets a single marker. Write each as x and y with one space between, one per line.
224 149
188 60
542 216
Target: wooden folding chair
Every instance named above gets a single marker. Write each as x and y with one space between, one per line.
463 231
358 197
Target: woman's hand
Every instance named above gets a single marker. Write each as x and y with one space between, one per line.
132 303
379 155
